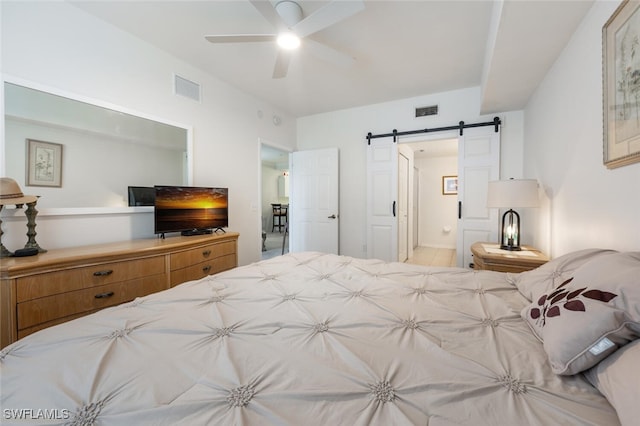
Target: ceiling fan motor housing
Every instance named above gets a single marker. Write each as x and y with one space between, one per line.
290 12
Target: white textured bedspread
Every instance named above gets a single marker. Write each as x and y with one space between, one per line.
303 339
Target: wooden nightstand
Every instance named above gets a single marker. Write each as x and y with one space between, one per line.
489 256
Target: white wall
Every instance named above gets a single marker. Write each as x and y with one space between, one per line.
57 45
437 211
588 205
88 155
347 130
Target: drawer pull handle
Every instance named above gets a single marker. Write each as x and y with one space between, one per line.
103 273
104 295
206 253
206 269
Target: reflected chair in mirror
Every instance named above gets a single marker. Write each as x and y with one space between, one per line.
279 216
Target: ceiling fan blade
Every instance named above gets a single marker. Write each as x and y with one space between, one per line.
328 15
240 38
269 13
329 54
282 63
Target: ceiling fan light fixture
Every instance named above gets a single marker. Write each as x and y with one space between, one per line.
288 41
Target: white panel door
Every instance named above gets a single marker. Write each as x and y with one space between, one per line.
382 196
478 163
416 203
403 208
313 201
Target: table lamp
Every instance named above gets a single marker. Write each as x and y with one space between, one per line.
512 193
11 194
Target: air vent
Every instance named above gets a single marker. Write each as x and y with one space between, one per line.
425 111
186 88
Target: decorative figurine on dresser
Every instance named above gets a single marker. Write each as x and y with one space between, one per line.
11 194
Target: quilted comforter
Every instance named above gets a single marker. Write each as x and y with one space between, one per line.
302 339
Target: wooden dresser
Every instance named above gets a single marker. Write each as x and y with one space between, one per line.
40 291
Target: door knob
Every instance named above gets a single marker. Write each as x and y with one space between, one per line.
333 216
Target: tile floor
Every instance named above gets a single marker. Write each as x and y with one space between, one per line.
273 244
431 256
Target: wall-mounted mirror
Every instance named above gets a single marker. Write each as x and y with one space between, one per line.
76 154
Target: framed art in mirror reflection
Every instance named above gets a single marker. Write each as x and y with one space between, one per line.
44 163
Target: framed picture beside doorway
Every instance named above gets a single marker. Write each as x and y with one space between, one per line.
449 185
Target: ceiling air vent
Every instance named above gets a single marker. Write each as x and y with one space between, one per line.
425 111
186 88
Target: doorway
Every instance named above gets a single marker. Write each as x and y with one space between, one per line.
274 172
434 211
478 163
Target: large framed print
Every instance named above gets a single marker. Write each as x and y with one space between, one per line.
621 85
44 163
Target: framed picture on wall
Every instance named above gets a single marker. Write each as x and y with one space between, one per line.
621 81
449 185
44 163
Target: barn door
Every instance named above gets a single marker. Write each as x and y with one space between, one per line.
382 200
478 163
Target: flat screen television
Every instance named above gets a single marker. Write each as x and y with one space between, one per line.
190 210
141 195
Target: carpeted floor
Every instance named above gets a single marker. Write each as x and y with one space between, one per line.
273 244
428 256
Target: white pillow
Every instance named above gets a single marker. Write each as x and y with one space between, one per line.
617 377
589 315
553 273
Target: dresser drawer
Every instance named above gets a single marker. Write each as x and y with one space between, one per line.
195 256
61 305
42 285
203 269
61 284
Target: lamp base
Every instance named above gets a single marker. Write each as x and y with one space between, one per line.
510 232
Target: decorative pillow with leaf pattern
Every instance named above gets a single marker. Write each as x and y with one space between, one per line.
590 314
548 276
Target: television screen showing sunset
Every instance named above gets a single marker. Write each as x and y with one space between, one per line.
180 208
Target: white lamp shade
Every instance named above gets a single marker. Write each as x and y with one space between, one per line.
513 193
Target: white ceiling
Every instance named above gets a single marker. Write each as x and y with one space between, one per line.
274 157
402 48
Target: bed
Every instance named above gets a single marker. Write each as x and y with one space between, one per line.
320 339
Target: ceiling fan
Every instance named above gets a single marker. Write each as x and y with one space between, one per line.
291 27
